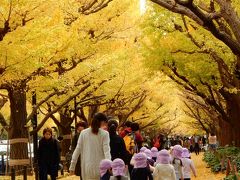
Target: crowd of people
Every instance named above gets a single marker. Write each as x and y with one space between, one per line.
106 151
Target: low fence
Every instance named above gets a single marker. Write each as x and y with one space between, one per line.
9 172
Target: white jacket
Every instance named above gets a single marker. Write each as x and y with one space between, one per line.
164 172
93 148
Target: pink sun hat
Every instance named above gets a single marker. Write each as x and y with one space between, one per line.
105 165
143 149
140 160
148 153
118 167
154 151
186 153
177 151
163 157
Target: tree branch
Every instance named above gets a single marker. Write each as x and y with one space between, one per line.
35 108
59 107
3 121
193 12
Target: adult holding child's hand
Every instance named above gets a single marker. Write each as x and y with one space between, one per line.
93 145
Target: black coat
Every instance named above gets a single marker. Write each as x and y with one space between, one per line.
118 148
74 145
48 152
75 141
106 176
141 174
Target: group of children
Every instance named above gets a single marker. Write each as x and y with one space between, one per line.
151 164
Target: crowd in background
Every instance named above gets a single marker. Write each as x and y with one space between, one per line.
106 151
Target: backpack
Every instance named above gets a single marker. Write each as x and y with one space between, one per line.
130 143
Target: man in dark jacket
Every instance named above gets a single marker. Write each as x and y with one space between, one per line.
48 155
79 127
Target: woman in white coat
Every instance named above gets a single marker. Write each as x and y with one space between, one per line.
93 146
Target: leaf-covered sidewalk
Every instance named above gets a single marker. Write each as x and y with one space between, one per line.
204 173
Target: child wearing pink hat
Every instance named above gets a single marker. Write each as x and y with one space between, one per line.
143 149
105 169
148 153
154 151
188 165
177 162
164 170
140 170
118 170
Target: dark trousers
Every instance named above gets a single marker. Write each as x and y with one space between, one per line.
196 148
78 168
45 169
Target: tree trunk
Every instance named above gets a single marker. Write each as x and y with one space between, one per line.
65 131
17 97
224 134
230 128
233 105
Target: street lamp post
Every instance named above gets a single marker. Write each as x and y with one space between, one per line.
75 113
35 137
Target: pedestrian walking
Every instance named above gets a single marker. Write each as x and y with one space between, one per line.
140 170
164 170
79 127
93 146
105 169
212 141
48 155
196 145
117 145
177 162
119 170
188 165
154 151
150 161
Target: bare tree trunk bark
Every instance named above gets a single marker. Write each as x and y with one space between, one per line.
65 131
17 97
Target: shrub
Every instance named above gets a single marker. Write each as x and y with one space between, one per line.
223 154
212 161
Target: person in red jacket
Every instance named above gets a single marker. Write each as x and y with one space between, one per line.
138 137
127 129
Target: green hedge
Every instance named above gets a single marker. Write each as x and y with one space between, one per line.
214 159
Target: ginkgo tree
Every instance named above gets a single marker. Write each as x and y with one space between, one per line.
198 47
38 47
